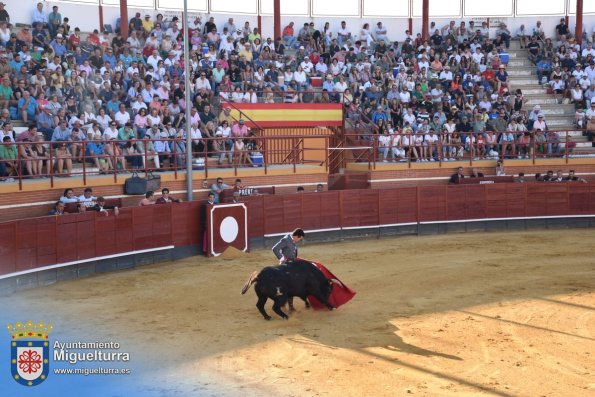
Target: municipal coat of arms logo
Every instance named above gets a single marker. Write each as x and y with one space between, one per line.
29 348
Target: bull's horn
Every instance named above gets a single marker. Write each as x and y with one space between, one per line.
335 281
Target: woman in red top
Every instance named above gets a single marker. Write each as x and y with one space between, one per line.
489 76
93 38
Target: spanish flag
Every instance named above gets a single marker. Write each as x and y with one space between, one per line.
289 114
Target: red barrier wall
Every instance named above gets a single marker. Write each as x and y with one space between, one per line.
31 243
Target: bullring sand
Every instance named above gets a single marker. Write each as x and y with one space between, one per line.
505 314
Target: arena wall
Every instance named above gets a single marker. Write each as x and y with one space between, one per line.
41 251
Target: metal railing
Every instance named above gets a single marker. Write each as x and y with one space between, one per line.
52 160
84 159
469 147
277 96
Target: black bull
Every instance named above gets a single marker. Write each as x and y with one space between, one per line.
279 283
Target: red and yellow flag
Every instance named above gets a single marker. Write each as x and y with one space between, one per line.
289 114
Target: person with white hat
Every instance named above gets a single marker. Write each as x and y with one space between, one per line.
540 122
532 117
162 147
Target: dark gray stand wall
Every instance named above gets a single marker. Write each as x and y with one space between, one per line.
46 277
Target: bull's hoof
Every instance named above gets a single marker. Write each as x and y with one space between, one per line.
285 317
267 318
330 307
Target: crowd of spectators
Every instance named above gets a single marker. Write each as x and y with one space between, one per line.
120 102
548 176
88 202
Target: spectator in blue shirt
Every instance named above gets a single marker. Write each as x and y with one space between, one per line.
108 56
58 45
329 86
379 115
62 132
27 105
79 56
373 93
113 106
16 63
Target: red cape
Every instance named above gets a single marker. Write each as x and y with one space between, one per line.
340 293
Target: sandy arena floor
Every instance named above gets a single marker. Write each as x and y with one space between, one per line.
505 314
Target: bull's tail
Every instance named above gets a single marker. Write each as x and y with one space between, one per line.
250 281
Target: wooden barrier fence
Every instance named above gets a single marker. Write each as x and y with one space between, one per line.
28 244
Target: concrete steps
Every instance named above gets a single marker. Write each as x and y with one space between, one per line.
559 122
519 63
531 89
557 116
518 82
538 99
521 72
557 110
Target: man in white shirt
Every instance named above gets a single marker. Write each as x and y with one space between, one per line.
591 112
431 139
578 72
343 34
584 82
139 104
196 24
226 45
410 118
231 27
446 76
436 94
321 67
171 59
162 147
87 198
538 31
250 96
202 83
269 43
154 59
55 64
404 96
173 30
122 116
477 55
589 50
134 42
39 16
423 63
307 65
380 32
131 70
111 132
484 30
590 72
147 93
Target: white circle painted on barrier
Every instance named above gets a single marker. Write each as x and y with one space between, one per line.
229 229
